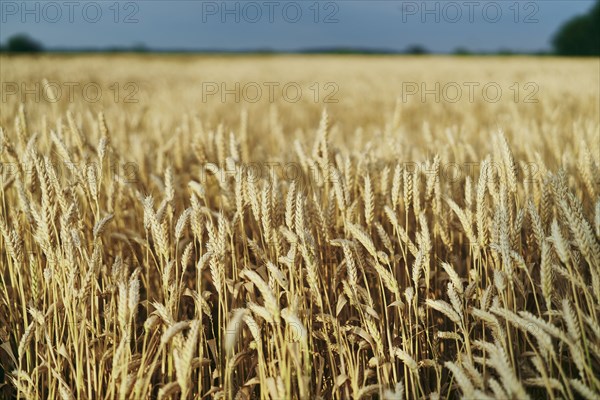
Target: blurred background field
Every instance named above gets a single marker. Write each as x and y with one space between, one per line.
442 92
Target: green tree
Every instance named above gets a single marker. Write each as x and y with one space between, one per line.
22 43
416 50
580 36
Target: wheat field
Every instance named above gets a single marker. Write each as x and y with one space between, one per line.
356 242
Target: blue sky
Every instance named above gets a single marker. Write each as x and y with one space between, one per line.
440 26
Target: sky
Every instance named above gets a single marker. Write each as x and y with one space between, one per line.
281 25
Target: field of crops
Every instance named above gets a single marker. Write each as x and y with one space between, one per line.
299 227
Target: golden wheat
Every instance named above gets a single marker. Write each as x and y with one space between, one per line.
371 248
